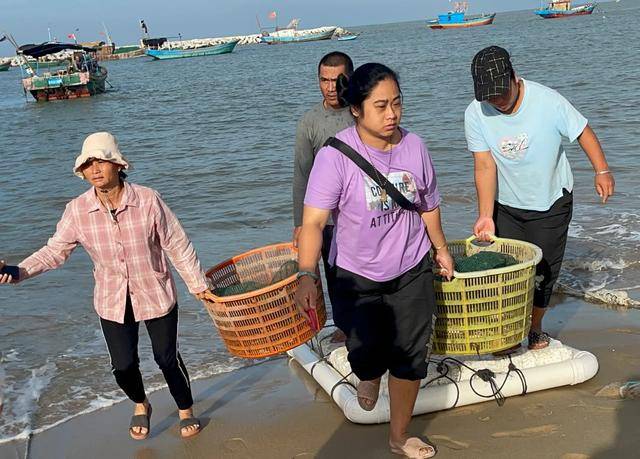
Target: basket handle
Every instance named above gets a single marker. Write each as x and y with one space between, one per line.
482 244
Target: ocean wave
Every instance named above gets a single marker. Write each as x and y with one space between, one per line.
595 265
619 297
622 228
25 405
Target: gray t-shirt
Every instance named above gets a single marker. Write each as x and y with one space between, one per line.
314 128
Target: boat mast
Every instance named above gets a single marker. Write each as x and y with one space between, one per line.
106 32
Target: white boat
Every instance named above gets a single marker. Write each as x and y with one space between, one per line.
297 36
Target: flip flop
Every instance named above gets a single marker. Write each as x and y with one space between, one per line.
415 448
189 422
140 420
368 392
538 340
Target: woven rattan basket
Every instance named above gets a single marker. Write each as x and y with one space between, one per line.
263 322
486 311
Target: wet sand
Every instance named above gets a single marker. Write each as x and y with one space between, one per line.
275 410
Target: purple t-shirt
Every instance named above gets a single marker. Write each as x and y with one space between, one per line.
375 239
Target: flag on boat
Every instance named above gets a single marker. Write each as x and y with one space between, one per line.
272 15
72 36
143 26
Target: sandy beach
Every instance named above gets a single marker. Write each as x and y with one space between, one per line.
275 410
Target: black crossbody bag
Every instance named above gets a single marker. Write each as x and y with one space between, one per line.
370 170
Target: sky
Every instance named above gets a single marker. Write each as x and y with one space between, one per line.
30 20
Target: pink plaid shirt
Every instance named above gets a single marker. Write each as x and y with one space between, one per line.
128 253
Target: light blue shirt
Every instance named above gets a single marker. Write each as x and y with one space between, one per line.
527 145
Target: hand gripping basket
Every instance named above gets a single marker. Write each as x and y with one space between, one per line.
263 322
486 311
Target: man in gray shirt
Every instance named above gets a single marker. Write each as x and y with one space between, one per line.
324 120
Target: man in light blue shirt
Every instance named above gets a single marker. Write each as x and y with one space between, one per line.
514 128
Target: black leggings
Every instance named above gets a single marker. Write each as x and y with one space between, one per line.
122 342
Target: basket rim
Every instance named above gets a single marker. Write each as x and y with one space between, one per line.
507 269
261 291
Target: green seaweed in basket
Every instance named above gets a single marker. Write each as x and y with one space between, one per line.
482 261
238 289
288 268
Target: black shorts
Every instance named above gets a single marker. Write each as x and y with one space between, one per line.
388 324
548 230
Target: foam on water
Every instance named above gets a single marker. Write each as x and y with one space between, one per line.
25 406
21 408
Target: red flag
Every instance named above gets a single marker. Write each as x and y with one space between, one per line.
272 15
72 36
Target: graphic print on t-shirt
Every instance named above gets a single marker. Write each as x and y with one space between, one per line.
403 181
515 147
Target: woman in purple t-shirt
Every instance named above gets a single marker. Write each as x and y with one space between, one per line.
384 280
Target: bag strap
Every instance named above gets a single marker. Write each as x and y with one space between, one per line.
370 170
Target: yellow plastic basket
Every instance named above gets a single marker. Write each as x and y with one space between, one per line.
486 311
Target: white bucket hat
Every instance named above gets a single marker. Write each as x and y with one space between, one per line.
100 145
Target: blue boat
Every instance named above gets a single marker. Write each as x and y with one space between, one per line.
348 37
457 18
296 36
562 9
164 54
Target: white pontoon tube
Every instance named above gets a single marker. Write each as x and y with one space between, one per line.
579 367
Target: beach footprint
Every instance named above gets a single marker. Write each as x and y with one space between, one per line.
539 431
447 442
235 445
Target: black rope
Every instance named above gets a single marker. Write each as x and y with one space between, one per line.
484 374
443 370
518 371
342 380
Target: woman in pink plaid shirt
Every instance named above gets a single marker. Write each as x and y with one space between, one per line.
129 232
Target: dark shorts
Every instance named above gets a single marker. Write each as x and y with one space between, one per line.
388 324
548 230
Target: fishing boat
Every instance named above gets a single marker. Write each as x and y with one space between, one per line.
297 36
4 66
457 19
563 9
348 37
164 54
80 76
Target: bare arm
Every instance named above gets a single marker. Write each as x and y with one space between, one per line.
309 248
442 257
603 182
485 175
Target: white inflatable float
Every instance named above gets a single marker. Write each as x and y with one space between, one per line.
451 382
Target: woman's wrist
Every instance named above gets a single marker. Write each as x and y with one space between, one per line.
602 172
310 274
440 247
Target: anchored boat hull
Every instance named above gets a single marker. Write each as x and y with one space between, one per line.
475 22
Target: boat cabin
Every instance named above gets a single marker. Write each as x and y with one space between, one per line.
562 5
451 17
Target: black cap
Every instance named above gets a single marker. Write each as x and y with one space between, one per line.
491 70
